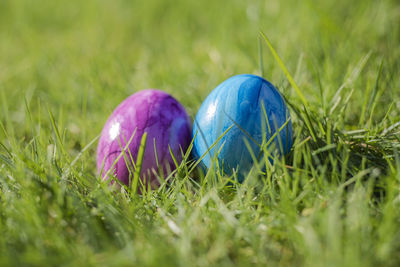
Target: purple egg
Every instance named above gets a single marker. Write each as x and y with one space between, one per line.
166 123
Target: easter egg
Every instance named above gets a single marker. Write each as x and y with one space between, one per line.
153 112
235 119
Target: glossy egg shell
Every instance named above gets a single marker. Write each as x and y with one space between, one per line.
237 103
152 111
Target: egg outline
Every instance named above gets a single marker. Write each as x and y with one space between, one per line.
210 123
179 129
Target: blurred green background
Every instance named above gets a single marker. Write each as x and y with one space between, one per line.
83 57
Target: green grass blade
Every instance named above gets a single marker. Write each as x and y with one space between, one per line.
139 163
285 70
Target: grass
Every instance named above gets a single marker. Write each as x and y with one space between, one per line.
333 201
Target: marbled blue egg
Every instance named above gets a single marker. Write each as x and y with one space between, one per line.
237 103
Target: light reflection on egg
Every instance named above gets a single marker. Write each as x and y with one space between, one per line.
114 130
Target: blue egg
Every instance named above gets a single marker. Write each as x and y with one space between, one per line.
236 107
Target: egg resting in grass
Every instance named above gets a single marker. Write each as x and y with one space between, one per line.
237 103
166 123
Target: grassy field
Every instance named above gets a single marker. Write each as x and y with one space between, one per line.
333 201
